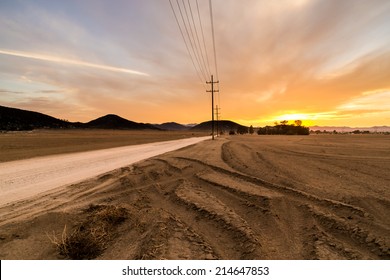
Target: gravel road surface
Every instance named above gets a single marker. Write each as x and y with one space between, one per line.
24 178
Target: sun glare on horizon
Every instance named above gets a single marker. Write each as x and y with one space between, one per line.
307 119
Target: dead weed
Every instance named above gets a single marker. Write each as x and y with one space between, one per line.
89 239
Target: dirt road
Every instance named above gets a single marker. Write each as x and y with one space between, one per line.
24 178
239 197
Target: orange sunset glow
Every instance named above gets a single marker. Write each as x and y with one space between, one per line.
323 62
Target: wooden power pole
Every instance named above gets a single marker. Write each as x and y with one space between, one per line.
212 103
217 113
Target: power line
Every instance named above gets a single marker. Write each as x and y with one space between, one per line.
197 55
185 41
188 35
214 49
204 41
189 32
212 33
193 42
197 38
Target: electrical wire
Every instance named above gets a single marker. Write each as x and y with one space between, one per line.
189 39
199 47
185 41
204 41
193 42
215 52
213 36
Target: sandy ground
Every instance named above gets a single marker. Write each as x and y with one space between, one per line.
16 145
238 197
24 178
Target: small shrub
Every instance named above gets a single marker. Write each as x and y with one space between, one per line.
89 239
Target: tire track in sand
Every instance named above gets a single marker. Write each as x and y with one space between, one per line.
201 203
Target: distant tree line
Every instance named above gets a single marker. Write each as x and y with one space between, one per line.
284 128
349 132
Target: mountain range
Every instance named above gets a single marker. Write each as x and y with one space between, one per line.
174 126
115 122
350 129
12 119
17 119
222 125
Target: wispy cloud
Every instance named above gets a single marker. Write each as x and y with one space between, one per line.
10 91
378 101
69 61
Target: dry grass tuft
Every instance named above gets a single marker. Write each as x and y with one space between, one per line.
89 239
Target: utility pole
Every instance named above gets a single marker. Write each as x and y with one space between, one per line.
217 113
212 103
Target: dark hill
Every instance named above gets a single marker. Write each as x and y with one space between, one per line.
224 126
115 122
171 126
12 119
17 119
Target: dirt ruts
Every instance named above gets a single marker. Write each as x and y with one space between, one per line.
243 197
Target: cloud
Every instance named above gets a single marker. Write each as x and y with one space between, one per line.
273 92
274 57
267 46
69 61
5 91
369 102
101 92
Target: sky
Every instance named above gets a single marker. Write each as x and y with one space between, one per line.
326 62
